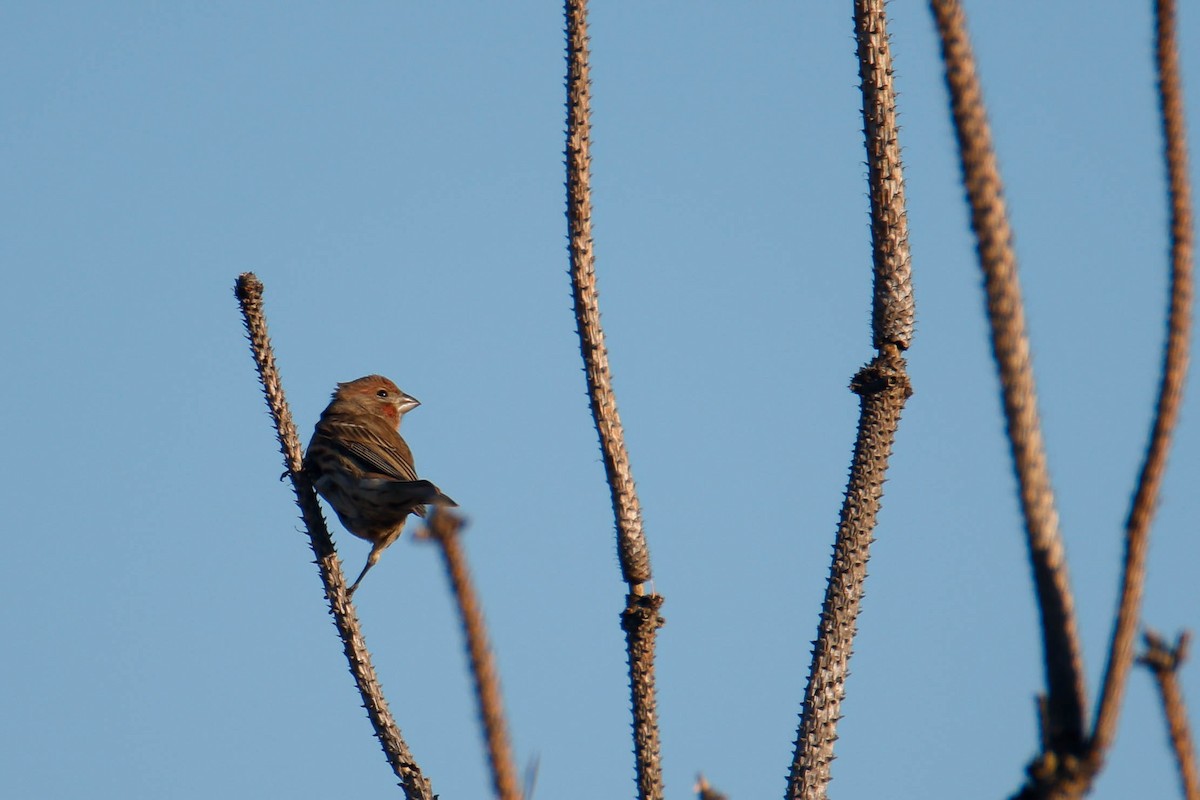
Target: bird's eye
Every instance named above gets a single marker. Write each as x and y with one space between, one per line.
382 394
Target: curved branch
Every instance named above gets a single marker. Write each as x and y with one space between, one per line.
1171 383
1064 735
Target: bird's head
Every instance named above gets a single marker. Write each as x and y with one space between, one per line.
375 394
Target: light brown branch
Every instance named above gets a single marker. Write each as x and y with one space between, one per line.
631 542
893 307
883 387
444 528
416 786
1010 346
1164 662
1171 384
640 619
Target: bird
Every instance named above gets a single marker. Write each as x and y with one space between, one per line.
360 464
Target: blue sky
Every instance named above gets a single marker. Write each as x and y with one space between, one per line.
393 173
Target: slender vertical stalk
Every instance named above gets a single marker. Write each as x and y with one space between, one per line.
249 291
883 387
1010 345
893 307
444 528
632 550
1171 382
640 619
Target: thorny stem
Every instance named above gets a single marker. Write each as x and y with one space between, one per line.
883 387
641 611
640 620
1171 383
444 528
632 550
1010 346
249 291
893 305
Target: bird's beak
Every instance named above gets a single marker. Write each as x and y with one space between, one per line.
407 403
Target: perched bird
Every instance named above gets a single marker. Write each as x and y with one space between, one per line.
359 463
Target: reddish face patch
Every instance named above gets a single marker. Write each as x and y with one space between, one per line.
389 410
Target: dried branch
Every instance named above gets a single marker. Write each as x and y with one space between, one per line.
632 550
893 307
1170 389
1164 661
444 528
640 618
249 291
1065 740
883 387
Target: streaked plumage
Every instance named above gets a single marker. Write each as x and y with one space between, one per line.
359 463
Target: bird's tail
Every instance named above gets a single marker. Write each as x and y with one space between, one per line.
417 494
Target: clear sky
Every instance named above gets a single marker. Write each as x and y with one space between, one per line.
393 173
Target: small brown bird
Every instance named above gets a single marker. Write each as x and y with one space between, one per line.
359 463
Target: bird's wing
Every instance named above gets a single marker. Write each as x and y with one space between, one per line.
374 452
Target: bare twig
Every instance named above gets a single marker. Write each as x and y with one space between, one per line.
1010 346
416 786
640 618
1164 661
1171 383
632 550
883 387
444 528
893 307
